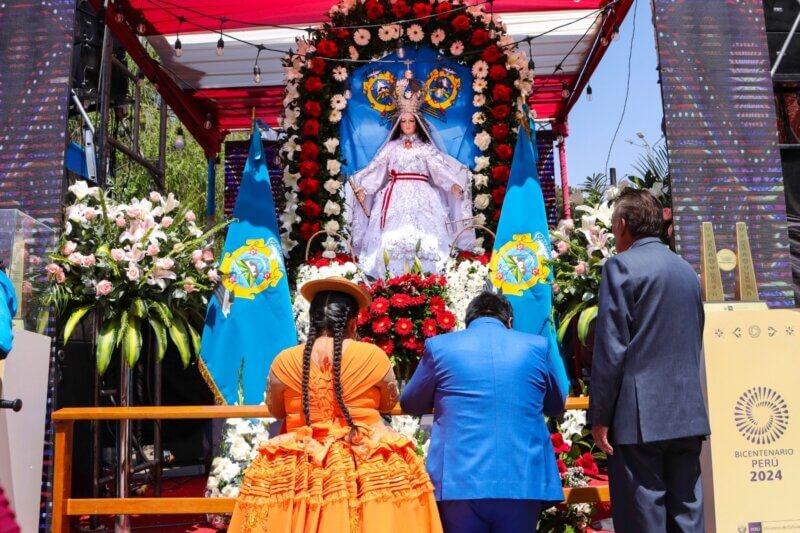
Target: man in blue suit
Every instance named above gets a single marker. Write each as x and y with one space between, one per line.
491 460
646 401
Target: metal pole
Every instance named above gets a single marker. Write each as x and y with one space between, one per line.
123 522
211 202
105 98
137 111
785 44
158 449
94 522
562 160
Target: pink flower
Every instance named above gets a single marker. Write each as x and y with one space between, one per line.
213 275
132 211
88 260
166 222
152 250
133 273
52 268
90 214
117 254
103 288
120 222
60 276
68 248
594 230
580 268
208 255
569 224
166 263
155 196
179 246
556 288
75 257
188 285
562 247
199 265
197 255
190 216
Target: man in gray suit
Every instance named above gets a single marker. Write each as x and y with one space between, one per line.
647 409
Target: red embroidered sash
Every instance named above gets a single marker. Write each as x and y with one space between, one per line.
397 176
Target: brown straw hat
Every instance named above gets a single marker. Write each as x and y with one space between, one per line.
336 283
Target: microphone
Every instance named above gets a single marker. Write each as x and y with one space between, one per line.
14 405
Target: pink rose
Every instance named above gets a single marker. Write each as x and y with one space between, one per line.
153 250
133 211
580 268
165 264
562 247
190 216
136 253
208 255
117 254
166 222
68 248
120 222
90 214
88 260
75 257
213 275
179 246
155 197
133 273
103 288
197 255
188 285
199 265
52 268
60 276
556 288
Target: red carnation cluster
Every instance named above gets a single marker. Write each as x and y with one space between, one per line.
587 462
559 446
471 256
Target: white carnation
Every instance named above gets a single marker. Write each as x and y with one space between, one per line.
480 219
480 180
331 225
333 166
481 162
332 208
482 201
331 144
478 118
332 186
482 140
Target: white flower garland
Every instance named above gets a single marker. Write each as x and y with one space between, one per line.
465 281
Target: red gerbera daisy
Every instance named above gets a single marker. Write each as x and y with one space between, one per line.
403 326
386 345
446 320
400 300
363 317
381 324
379 306
411 343
437 305
429 328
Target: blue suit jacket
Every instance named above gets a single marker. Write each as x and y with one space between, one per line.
489 387
648 337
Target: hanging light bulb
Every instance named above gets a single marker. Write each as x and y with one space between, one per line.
119 16
141 27
615 33
207 124
179 143
140 78
564 90
531 63
220 46
401 53
257 74
588 93
178 47
492 30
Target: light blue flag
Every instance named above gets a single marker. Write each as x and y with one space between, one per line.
519 267
240 347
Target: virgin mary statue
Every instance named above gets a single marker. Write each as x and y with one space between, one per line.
417 196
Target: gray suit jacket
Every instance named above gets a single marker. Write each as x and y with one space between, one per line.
645 381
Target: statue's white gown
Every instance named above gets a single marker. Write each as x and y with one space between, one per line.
416 212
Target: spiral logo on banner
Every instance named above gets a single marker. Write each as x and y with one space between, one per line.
761 415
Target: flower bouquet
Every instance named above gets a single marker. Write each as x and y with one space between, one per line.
466 278
145 262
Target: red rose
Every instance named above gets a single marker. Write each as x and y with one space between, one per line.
496 215
374 9
559 446
501 93
446 320
403 326
313 84
562 466
437 305
479 37
308 186
492 54
381 324
400 300
429 328
442 10
586 461
311 209
499 112
460 23
309 169
342 33
309 151
400 9
498 194
311 128
312 108
327 48
500 131
500 173
503 151
497 72
363 316
411 343
317 66
379 306
422 10
386 345
308 229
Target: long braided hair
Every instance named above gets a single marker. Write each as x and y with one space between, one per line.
329 314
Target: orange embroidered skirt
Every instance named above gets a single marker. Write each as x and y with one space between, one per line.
314 480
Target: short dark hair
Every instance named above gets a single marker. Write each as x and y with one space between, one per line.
489 304
641 211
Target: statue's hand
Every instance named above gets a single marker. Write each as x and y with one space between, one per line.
458 192
361 194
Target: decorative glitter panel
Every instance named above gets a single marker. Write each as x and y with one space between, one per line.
721 134
547 176
235 158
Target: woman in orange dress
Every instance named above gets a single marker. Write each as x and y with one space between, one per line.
337 468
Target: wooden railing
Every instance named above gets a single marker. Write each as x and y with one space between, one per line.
65 506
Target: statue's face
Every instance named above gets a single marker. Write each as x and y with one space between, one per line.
408 124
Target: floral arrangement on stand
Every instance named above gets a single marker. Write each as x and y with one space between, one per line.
241 439
576 460
405 310
144 262
317 92
466 276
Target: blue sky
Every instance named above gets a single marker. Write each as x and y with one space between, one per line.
592 124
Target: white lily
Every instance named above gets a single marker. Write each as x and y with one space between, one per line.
81 190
